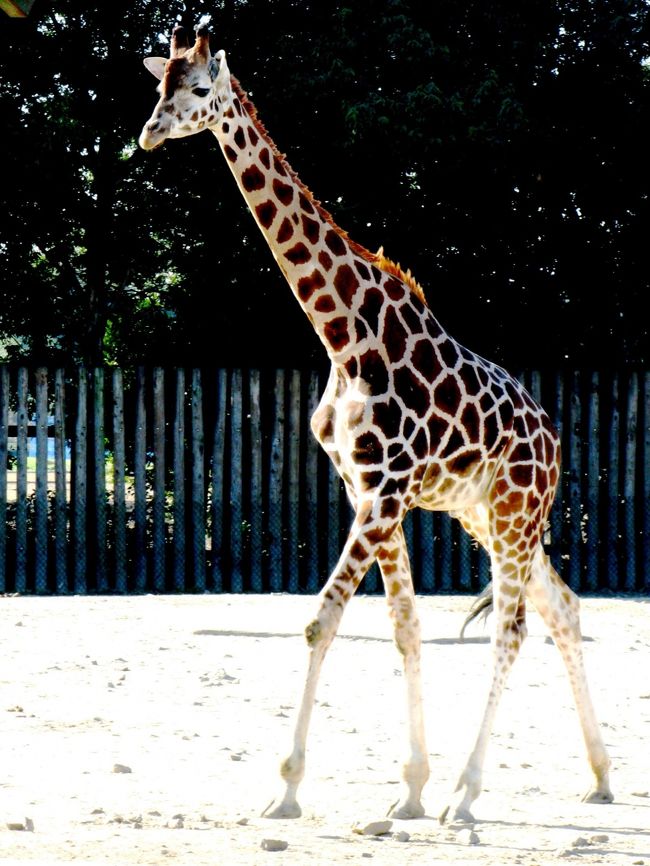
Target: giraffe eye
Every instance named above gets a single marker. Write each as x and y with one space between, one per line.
201 91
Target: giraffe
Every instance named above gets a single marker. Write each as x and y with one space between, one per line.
409 417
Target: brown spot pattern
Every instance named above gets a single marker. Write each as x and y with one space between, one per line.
346 284
252 179
283 191
336 333
308 285
266 213
298 254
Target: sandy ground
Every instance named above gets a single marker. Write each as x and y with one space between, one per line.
195 695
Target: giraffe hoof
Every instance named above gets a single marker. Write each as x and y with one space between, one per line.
406 811
282 810
464 816
601 797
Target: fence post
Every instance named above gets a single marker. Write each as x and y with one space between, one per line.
575 484
218 511
613 543
236 487
99 460
80 483
275 486
590 575
40 515
311 492
158 534
645 487
140 483
4 456
293 479
198 483
629 478
119 469
179 483
257 501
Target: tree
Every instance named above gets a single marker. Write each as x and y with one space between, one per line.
495 149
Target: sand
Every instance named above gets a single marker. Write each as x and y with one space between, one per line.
149 730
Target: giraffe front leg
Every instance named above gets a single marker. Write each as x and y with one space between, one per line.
292 768
396 575
353 563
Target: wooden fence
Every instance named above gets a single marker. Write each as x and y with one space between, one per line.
209 480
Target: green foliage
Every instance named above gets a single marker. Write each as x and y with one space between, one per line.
495 149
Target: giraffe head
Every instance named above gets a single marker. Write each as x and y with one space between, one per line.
194 89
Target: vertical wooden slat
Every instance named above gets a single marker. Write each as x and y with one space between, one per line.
574 571
613 541
644 488
158 534
557 512
99 461
333 517
198 483
60 486
427 553
257 503
629 484
21 482
119 470
236 486
293 485
41 509
80 483
592 528
311 492
4 423
276 472
179 483
140 482
446 554
464 582
218 493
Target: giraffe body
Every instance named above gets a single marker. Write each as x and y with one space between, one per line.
409 417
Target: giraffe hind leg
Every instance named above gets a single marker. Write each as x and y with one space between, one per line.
396 575
559 608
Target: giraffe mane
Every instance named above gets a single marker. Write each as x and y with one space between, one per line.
377 259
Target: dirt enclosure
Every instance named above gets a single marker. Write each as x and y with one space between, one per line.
148 731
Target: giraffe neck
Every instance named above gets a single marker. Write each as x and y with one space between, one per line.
324 267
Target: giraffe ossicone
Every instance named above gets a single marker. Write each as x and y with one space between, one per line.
409 417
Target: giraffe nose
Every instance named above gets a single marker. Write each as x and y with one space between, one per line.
152 135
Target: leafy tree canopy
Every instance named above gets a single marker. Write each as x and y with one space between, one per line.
498 150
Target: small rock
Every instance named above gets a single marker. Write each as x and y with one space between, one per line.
640 794
580 842
121 768
468 837
402 836
601 837
242 822
26 826
274 845
235 757
374 828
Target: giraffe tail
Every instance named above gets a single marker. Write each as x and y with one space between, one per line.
482 607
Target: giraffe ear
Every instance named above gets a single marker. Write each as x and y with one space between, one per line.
156 66
223 75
